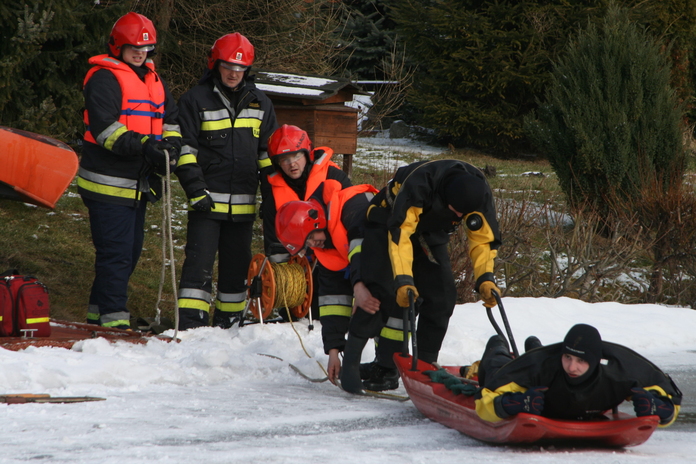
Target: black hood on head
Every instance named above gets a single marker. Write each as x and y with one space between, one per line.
464 192
583 341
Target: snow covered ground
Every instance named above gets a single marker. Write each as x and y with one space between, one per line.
218 397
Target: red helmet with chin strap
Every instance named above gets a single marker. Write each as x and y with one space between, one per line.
132 29
296 220
289 139
232 48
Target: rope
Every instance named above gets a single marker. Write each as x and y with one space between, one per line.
291 286
167 239
291 290
299 337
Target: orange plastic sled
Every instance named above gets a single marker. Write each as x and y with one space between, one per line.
34 168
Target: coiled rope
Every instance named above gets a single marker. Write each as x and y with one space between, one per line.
291 286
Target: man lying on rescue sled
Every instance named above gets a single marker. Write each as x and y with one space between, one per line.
578 379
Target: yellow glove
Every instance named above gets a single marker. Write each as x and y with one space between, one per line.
486 290
402 295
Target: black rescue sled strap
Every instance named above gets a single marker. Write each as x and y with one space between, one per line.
505 322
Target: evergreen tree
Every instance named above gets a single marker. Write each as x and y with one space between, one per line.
611 124
43 60
367 37
483 63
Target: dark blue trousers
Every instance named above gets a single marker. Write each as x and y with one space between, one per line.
117 233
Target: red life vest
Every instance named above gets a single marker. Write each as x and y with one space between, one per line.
142 103
283 193
336 259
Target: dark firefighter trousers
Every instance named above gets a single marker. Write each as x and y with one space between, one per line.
206 237
436 288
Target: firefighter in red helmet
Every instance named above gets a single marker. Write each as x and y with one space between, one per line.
226 122
331 223
132 132
299 170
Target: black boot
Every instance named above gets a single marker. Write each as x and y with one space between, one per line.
497 344
350 372
531 342
366 369
225 320
382 378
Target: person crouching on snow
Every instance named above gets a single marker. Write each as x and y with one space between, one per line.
331 224
578 379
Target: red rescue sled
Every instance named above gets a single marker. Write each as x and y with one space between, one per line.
438 403
65 334
34 168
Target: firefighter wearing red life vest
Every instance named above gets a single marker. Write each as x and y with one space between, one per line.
226 122
331 223
299 170
132 125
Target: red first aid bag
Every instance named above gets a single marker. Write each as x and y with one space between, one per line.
24 306
6 310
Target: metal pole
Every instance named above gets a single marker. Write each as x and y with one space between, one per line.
412 328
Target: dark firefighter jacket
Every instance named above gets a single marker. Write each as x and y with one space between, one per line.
620 370
225 146
123 105
413 203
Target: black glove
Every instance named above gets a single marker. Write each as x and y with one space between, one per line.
175 151
153 151
202 201
649 403
531 401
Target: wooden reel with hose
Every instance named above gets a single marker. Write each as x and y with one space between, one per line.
282 285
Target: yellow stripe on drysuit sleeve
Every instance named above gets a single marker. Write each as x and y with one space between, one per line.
482 257
401 252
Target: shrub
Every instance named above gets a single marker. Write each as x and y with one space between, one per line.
611 124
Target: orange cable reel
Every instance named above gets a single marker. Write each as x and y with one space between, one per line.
287 284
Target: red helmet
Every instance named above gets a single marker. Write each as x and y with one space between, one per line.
296 220
233 48
132 29
289 139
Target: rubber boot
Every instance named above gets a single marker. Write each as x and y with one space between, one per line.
350 372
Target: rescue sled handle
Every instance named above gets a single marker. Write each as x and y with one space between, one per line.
412 328
489 311
409 324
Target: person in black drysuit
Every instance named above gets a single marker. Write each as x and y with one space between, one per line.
578 379
406 250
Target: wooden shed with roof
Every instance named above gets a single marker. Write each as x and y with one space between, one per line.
316 104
